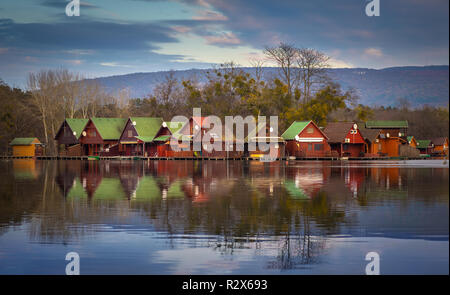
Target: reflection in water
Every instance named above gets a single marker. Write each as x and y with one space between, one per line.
285 214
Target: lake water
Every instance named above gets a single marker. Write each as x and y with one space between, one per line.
219 217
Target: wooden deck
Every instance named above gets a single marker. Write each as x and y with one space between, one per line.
128 158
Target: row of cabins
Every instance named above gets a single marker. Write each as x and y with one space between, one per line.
150 137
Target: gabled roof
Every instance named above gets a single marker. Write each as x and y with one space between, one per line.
174 126
386 124
409 138
109 128
77 125
423 143
368 134
298 127
24 141
146 126
439 140
337 131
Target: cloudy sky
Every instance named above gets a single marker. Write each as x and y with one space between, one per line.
113 37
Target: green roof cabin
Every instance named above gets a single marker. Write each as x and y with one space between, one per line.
100 136
137 136
68 136
304 139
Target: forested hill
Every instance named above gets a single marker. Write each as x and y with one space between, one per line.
420 85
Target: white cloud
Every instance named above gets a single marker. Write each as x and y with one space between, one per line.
114 64
373 52
210 16
225 38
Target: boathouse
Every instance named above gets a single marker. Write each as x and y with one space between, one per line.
345 139
261 142
137 136
100 136
305 139
68 136
163 137
440 146
412 141
26 147
391 135
424 146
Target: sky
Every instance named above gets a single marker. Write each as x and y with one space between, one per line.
113 37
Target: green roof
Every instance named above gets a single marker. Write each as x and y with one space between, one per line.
387 124
77 125
294 129
174 126
23 141
109 128
162 138
147 126
409 138
423 143
145 138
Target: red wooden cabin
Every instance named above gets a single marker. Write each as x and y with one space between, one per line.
305 139
345 139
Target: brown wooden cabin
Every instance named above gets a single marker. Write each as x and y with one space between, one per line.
390 135
137 137
100 136
261 142
68 136
305 139
440 146
345 139
164 137
194 132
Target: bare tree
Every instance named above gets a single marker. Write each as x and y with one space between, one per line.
313 65
285 56
257 64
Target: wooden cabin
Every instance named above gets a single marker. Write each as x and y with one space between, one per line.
100 136
424 146
137 136
440 146
305 139
345 139
194 132
391 135
412 141
26 147
371 137
164 136
68 136
259 138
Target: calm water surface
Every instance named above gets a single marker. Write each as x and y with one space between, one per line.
218 217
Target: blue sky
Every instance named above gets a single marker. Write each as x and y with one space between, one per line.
113 37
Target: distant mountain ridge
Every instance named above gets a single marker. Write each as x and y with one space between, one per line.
419 84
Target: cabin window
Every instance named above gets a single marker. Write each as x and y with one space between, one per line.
93 133
318 147
309 146
130 133
345 147
379 147
310 130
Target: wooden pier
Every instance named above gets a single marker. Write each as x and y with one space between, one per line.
131 158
